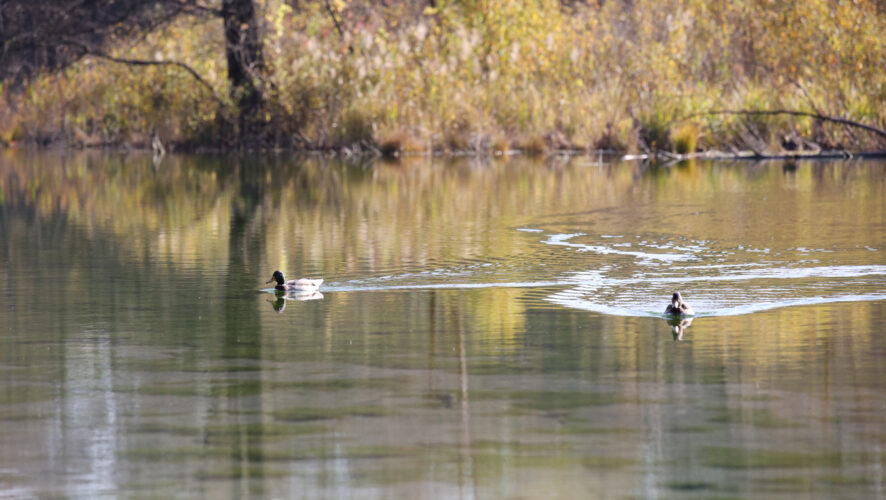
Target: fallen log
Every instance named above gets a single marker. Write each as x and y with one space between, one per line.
755 156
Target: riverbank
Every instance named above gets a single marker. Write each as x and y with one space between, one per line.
485 78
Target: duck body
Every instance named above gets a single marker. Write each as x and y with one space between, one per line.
301 285
679 308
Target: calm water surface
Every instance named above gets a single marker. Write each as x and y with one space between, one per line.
487 329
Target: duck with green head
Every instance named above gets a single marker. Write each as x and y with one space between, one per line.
303 284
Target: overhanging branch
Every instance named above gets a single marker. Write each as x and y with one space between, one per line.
818 116
146 62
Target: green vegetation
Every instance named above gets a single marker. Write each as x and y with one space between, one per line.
487 76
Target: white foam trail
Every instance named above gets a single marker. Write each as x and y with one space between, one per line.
586 277
447 286
563 240
592 291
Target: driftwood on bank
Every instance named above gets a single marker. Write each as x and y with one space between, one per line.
755 156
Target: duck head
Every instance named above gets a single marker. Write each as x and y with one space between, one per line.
278 277
677 300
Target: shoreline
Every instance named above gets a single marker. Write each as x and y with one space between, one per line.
364 153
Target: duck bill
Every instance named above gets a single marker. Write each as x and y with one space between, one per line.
270 280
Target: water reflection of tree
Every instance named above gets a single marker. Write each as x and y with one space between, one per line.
242 337
339 219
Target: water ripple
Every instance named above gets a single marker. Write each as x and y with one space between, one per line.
563 240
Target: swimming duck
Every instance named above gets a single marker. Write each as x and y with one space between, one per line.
679 308
302 284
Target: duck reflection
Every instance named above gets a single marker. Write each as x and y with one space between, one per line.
279 304
679 324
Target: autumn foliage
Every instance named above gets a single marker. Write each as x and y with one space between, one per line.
487 76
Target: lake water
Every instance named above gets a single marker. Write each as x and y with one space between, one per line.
487 329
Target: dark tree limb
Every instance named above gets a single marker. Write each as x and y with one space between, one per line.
146 62
341 31
769 112
177 64
33 34
338 28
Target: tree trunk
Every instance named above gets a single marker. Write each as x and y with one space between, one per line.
243 49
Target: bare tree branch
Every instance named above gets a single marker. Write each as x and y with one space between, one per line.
818 116
178 64
145 62
341 32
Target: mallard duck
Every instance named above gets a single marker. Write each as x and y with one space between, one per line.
303 284
679 308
